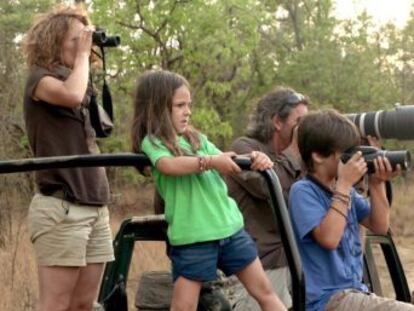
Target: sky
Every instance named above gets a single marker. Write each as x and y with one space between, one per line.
383 11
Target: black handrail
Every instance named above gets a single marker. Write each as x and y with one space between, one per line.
281 214
87 160
288 239
139 160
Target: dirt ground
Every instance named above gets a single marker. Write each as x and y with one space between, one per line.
405 247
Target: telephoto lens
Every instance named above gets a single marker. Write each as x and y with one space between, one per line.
396 123
401 157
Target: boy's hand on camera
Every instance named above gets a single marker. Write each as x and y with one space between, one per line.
352 171
383 170
224 163
260 161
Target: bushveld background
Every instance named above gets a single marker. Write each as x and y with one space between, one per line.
232 52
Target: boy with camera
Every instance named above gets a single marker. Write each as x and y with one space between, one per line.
326 212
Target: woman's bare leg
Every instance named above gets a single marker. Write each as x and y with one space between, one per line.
87 286
56 287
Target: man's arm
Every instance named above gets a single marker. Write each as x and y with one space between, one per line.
286 167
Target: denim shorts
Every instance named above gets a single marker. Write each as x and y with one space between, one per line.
200 261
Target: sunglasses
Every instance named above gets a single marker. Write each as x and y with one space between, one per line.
292 99
295 98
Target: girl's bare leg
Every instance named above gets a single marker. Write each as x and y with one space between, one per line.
257 284
185 295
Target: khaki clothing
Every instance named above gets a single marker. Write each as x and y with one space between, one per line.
67 234
354 300
251 194
58 131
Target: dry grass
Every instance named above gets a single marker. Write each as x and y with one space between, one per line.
402 220
18 269
18 272
402 211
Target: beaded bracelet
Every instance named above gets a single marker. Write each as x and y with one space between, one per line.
202 163
339 212
209 162
342 195
205 163
340 199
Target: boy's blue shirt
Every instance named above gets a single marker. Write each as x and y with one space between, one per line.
326 271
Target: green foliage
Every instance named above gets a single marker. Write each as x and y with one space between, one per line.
13 14
207 120
232 52
199 39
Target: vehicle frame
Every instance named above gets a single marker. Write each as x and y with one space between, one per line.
112 295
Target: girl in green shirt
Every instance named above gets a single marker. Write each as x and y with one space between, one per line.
205 226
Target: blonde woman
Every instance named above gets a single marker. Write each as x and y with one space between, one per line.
68 217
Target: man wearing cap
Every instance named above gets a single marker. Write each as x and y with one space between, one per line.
271 130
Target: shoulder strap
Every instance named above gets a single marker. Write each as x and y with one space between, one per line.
102 116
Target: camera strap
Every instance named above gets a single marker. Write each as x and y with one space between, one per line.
106 93
101 117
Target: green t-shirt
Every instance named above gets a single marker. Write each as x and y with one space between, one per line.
197 206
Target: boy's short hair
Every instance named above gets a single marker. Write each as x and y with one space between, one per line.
325 132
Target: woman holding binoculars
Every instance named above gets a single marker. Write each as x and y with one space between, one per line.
68 216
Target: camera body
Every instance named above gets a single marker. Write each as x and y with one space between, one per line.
100 39
401 157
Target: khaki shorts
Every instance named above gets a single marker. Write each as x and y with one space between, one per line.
67 234
351 299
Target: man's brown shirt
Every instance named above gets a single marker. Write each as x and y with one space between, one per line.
251 194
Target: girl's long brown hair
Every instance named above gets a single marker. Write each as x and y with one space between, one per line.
152 111
43 42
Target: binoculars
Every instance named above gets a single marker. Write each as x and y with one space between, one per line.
100 39
401 157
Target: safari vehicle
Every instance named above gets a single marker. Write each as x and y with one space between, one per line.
113 294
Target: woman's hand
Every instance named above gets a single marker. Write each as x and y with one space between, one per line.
85 40
260 161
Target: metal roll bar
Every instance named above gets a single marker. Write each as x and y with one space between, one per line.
140 160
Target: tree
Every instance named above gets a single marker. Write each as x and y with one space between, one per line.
13 23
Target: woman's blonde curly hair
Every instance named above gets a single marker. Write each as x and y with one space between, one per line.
43 42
